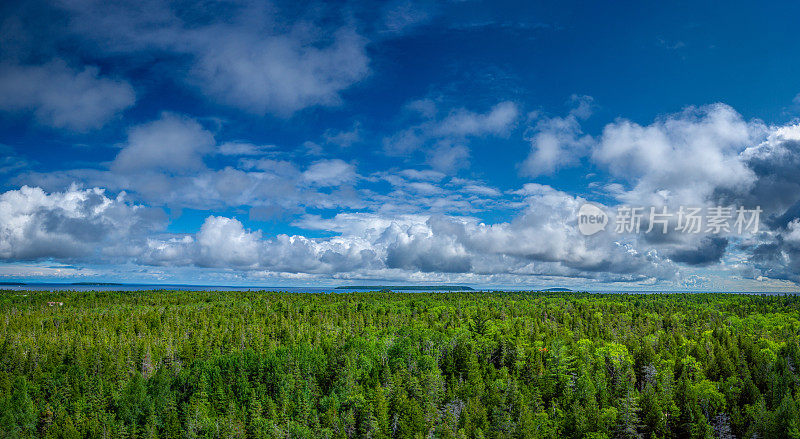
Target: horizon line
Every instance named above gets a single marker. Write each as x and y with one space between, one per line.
345 287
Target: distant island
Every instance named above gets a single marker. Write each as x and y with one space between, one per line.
556 290
97 284
406 288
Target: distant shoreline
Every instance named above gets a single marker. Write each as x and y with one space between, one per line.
77 284
405 288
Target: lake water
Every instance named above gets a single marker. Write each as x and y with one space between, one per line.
148 287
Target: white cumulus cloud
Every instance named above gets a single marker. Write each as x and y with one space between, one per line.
71 224
681 158
558 142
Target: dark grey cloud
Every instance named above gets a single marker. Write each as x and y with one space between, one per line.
709 251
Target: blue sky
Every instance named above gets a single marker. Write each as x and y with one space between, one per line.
255 143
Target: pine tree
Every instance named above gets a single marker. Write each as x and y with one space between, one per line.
628 421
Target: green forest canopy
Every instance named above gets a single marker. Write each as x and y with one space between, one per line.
178 364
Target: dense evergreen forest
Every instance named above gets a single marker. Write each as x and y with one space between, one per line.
176 364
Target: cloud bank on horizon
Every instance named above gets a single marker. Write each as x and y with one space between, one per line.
240 142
